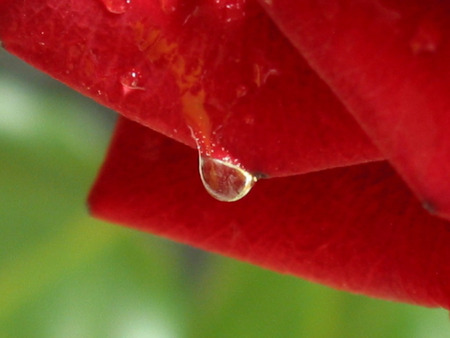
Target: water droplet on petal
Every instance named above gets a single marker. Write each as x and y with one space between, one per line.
132 80
231 10
117 6
225 181
41 39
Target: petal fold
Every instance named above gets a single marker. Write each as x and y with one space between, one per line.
387 61
356 228
225 72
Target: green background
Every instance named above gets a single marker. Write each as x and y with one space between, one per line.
64 274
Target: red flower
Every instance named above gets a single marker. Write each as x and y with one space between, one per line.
222 72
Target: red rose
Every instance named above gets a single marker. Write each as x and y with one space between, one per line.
298 109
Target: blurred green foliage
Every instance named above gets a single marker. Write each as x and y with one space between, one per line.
64 274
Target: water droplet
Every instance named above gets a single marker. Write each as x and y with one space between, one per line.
41 35
117 6
225 181
132 80
231 10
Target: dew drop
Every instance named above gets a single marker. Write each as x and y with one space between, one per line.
231 10
132 80
225 181
117 6
41 39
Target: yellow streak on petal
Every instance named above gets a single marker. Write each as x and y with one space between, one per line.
257 77
158 49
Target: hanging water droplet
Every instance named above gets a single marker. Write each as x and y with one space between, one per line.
132 80
225 181
117 6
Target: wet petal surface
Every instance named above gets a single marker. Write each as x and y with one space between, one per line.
387 61
356 228
226 73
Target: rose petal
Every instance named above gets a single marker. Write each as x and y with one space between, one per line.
227 73
355 228
388 62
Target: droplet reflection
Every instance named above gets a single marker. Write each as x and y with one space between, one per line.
225 181
117 6
132 80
